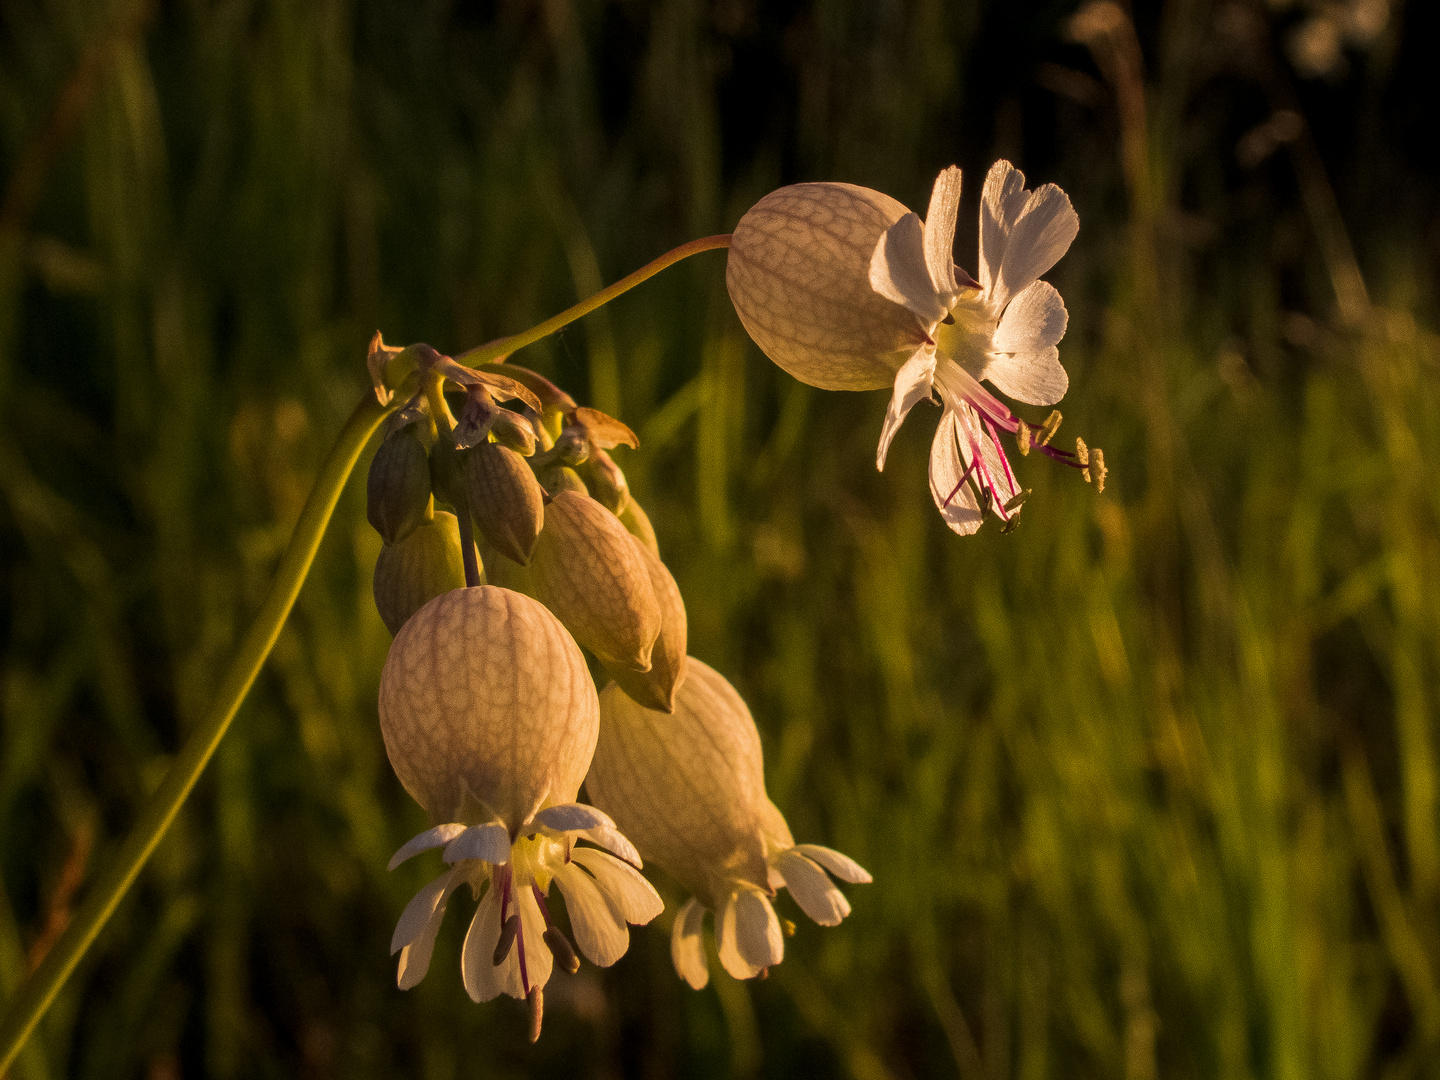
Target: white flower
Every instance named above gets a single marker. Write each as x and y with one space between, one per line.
490 719
689 790
799 265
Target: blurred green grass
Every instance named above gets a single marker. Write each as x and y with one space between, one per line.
1148 788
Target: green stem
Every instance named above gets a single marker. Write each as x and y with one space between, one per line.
35 996
483 354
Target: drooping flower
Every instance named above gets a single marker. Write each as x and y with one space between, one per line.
689 789
490 719
846 289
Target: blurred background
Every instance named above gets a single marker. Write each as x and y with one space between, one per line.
1149 787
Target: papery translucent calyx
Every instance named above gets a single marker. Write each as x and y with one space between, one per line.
686 788
656 688
798 272
425 564
487 707
586 569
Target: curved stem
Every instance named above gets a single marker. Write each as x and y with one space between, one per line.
483 354
27 1006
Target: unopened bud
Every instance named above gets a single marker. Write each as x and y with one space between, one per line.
505 500
411 573
572 447
637 522
605 481
514 431
586 569
447 470
557 478
655 689
397 491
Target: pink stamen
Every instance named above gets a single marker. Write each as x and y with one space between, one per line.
540 899
995 438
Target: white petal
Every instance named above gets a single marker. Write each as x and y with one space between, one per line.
599 930
812 889
418 911
912 384
418 925
1043 233
633 898
1028 331
1000 205
611 838
757 930
571 817
898 271
1037 378
940 233
490 842
483 980
687 945
439 836
842 866
730 958
957 506
1035 320
538 959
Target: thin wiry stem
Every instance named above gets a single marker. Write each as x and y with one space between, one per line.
494 350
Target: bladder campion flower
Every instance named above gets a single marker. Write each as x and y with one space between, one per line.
846 289
490 719
689 789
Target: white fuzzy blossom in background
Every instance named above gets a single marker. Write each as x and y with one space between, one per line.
846 289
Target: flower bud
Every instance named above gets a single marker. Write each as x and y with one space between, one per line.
505 500
655 689
798 271
411 573
487 708
586 569
514 431
447 470
397 490
557 478
637 523
606 482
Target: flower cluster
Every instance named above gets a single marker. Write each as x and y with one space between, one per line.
847 290
487 705
492 721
